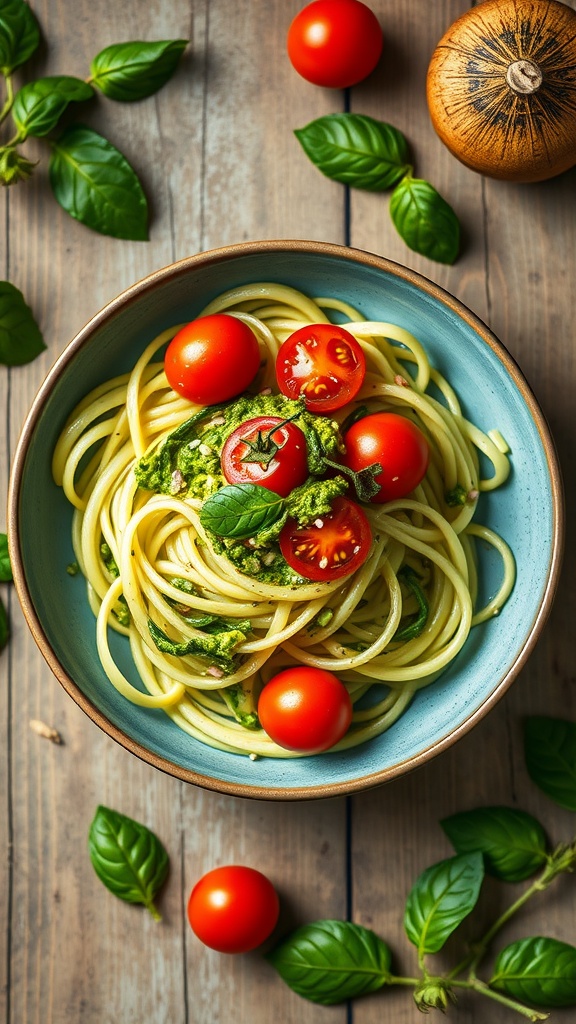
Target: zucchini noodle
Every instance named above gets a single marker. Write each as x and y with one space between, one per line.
137 549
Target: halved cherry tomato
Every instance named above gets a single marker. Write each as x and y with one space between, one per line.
305 709
233 909
333 546
256 453
212 359
335 43
322 363
397 444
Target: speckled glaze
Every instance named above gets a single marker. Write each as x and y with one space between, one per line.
527 511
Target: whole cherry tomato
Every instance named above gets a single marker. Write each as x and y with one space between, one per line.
335 43
212 359
305 709
333 546
233 909
266 451
397 444
322 363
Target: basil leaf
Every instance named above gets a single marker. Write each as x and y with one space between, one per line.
513 842
39 105
537 970
4 626
241 510
356 150
131 71
441 898
127 857
19 34
424 220
5 567
332 961
96 185
550 752
20 337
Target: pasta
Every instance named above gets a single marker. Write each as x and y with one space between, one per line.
147 557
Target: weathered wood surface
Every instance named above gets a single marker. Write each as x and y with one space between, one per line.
219 161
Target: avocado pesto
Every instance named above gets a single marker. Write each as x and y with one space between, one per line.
188 464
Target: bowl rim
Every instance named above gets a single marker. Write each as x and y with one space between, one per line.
130 296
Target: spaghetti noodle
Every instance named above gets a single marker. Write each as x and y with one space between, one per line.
147 558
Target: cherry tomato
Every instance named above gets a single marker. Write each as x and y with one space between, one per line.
333 546
305 709
212 359
335 43
397 444
322 363
256 453
233 909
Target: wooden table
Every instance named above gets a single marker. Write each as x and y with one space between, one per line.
220 164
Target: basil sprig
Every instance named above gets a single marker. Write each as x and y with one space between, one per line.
514 843
96 185
90 178
127 857
241 510
550 751
364 153
20 337
19 35
332 961
133 71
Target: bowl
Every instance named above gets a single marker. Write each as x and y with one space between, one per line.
527 511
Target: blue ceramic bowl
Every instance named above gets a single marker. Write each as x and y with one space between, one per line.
527 512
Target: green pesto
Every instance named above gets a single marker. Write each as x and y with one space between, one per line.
241 701
218 648
109 560
179 466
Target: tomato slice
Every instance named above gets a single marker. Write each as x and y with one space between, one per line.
335 545
322 363
256 453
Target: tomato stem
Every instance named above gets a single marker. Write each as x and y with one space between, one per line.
364 480
264 448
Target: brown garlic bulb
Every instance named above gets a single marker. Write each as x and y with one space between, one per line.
501 89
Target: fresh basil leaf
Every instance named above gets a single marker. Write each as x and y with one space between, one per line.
19 34
332 961
550 752
96 185
39 105
538 970
5 567
241 510
14 166
4 626
20 337
513 843
132 71
441 898
356 150
424 220
127 857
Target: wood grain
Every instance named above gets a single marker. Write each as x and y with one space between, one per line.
217 155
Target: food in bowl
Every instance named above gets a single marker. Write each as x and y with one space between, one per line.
223 562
